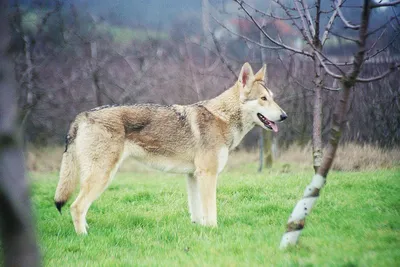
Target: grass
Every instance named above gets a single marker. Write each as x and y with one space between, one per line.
142 219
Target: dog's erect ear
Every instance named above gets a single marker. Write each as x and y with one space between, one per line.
245 77
245 74
261 75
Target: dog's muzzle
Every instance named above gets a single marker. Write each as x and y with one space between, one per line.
267 123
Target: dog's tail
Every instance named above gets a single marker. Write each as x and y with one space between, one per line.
69 169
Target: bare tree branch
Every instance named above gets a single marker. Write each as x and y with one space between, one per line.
223 60
345 21
282 45
393 68
308 15
308 34
377 40
244 37
317 21
270 14
331 88
291 76
382 49
344 37
382 26
394 13
322 58
385 4
301 30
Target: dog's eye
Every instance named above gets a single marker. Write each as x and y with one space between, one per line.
264 98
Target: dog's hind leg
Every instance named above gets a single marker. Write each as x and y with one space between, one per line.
98 165
92 186
99 151
194 199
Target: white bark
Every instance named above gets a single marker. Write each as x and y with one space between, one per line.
302 209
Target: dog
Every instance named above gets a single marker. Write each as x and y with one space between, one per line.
190 139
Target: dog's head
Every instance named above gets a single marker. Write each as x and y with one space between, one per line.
257 100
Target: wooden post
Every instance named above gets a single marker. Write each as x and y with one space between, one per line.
261 149
268 159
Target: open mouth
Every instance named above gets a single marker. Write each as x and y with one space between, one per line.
269 124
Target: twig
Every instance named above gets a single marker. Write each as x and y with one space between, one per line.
382 49
270 14
244 37
383 75
376 41
308 15
293 78
385 4
218 47
344 37
345 21
307 32
382 26
331 73
282 45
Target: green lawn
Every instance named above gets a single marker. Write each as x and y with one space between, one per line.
142 219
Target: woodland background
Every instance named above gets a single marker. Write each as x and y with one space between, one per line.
71 56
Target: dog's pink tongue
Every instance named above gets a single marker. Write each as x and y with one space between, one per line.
274 127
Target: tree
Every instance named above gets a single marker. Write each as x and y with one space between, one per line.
310 28
348 80
266 156
17 233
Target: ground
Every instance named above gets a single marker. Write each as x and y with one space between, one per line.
142 219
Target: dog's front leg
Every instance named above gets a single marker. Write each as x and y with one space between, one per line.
207 183
194 199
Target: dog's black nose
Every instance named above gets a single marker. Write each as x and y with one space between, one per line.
283 117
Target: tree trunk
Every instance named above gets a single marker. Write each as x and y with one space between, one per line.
29 72
266 136
18 239
318 81
96 88
95 74
317 117
205 6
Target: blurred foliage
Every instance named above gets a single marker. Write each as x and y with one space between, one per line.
125 35
121 35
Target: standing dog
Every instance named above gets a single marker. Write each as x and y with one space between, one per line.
194 139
